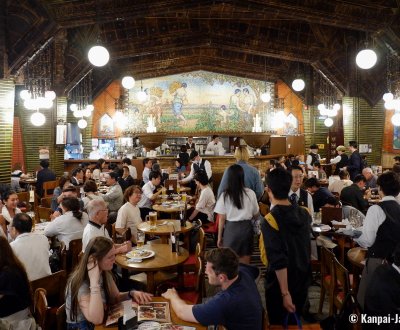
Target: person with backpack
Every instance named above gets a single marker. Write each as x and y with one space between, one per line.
197 164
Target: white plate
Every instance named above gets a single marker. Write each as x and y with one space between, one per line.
149 325
140 254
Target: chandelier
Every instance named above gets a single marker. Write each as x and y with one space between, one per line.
328 105
38 82
80 97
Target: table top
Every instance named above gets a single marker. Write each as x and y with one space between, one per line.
171 208
39 228
163 258
165 227
28 181
174 319
357 256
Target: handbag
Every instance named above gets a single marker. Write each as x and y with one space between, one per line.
296 317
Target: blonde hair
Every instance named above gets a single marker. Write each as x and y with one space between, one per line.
242 153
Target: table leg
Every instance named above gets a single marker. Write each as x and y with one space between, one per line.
164 239
150 282
180 276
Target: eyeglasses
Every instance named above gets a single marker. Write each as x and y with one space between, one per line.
298 176
103 210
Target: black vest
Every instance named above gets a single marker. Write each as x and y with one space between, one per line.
388 232
303 200
314 158
342 163
197 167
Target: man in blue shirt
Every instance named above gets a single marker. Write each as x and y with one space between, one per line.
237 306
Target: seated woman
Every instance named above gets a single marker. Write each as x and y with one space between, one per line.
336 186
91 193
91 287
65 181
204 209
88 175
70 224
129 213
16 175
180 168
10 200
15 292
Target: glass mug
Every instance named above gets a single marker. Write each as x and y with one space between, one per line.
140 239
152 218
184 195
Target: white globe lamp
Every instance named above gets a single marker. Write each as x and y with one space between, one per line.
73 107
298 85
336 107
321 107
90 107
366 59
51 95
82 123
25 94
328 122
389 105
388 97
265 97
98 56
38 119
396 119
141 96
128 82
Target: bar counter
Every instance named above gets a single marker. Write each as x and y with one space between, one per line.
218 163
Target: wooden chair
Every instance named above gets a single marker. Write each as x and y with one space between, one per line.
43 214
330 213
341 285
212 229
46 202
190 264
23 198
54 285
70 257
61 318
327 278
173 183
120 235
48 188
40 307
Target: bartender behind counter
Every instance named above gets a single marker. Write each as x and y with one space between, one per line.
190 145
215 145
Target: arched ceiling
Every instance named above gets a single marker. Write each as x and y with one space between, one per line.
261 39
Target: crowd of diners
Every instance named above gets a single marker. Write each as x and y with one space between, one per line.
294 190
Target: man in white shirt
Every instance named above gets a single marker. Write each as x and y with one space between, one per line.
32 249
297 194
98 213
312 157
147 164
215 145
149 195
132 169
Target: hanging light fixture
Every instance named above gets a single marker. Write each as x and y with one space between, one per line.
38 79
366 58
128 82
298 84
141 95
98 55
82 123
38 119
328 122
266 96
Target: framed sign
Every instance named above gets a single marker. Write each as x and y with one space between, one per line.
61 134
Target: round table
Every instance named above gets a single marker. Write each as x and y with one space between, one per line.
164 258
165 228
172 209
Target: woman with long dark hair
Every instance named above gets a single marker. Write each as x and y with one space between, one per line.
236 207
15 291
70 224
91 287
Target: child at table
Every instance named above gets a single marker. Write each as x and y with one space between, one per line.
91 288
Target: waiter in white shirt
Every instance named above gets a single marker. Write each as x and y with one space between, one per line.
215 145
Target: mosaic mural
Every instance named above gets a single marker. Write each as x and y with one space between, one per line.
200 101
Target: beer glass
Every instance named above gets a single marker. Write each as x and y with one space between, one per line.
152 217
140 239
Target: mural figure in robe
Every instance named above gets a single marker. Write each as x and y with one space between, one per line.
180 97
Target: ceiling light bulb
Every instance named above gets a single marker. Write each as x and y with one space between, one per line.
389 105
128 82
328 122
50 95
366 59
78 114
336 107
90 107
82 123
298 85
25 94
388 97
141 96
86 112
38 119
321 107
73 107
396 119
98 55
265 97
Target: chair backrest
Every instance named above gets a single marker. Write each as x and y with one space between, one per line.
46 202
327 268
43 213
61 318
120 235
48 188
54 285
330 213
341 284
199 273
169 183
23 203
202 241
40 307
70 257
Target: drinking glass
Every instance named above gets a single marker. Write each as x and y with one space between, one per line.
140 237
152 217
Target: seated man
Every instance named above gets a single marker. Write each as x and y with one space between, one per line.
44 175
68 192
98 213
32 249
354 196
370 178
149 194
114 197
132 169
237 306
77 176
320 195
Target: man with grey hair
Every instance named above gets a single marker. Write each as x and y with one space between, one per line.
98 213
371 178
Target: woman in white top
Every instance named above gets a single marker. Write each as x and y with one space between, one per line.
236 207
9 210
337 185
204 209
91 193
129 213
70 224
